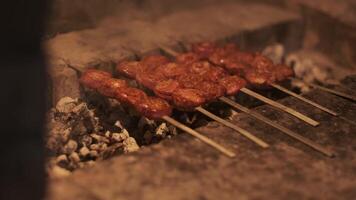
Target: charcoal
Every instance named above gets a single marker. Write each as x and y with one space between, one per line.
66 104
102 146
74 157
84 151
94 154
274 52
70 147
162 130
86 140
119 137
130 145
79 129
59 172
62 160
94 147
107 134
99 138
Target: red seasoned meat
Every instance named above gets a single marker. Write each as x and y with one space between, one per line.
235 67
262 63
92 78
131 96
190 81
165 89
129 68
259 78
199 68
172 70
214 74
218 57
211 91
232 84
230 48
187 58
243 57
203 49
154 108
188 99
154 60
149 80
110 86
282 72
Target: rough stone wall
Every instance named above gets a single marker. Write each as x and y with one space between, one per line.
80 14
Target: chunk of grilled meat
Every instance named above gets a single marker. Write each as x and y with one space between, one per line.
92 78
188 99
103 83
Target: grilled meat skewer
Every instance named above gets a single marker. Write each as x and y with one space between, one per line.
151 107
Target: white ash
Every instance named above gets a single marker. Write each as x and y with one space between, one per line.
274 52
130 145
78 135
120 137
162 130
76 138
84 152
311 66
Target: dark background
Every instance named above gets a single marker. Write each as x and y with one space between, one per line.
22 102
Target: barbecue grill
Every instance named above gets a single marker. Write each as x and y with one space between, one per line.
243 131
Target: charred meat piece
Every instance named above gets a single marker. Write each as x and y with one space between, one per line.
92 78
131 96
282 72
259 78
232 84
211 91
129 68
262 63
110 86
149 80
221 54
214 74
190 81
188 99
154 107
187 58
150 107
165 89
204 49
172 70
199 68
153 61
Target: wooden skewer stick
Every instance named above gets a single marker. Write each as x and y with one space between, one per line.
325 89
281 107
279 127
199 136
347 120
169 51
233 126
285 90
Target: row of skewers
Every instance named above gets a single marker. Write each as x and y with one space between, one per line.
193 79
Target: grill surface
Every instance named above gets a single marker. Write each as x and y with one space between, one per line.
184 168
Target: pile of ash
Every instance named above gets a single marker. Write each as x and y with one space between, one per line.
78 135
